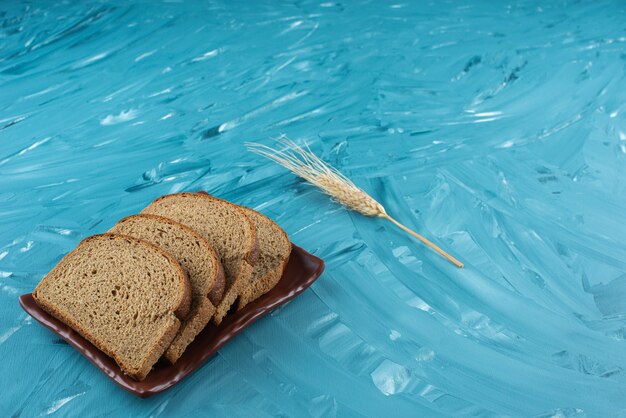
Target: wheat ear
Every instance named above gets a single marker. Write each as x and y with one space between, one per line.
304 163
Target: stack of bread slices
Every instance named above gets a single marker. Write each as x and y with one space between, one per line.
146 288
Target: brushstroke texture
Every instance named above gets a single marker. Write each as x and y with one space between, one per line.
496 128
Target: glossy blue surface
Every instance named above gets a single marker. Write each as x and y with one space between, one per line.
497 129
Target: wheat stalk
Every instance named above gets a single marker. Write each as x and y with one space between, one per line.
304 163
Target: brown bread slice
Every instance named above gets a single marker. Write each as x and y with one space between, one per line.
226 227
123 294
195 255
274 250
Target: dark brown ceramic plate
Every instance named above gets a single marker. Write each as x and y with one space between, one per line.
302 270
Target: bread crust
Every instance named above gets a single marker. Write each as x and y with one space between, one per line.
216 294
160 345
245 272
189 330
267 282
253 254
259 287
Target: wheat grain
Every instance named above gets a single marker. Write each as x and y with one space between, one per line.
304 163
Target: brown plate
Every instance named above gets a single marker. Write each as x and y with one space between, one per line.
302 270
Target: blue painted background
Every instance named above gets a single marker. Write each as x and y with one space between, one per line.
497 129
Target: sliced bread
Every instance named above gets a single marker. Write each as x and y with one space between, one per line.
123 294
226 227
274 250
195 255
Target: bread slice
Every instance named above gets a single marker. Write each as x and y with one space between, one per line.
226 227
123 294
274 250
195 255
